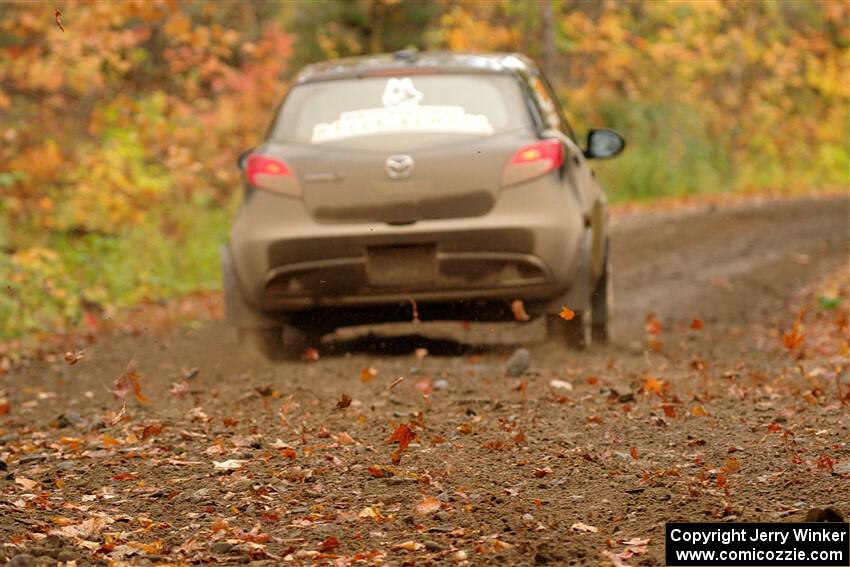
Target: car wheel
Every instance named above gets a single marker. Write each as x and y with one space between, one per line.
276 344
602 301
575 333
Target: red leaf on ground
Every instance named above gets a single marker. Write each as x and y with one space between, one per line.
825 463
634 453
774 428
329 545
368 374
343 402
126 476
402 435
151 430
696 324
376 471
229 422
669 410
311 354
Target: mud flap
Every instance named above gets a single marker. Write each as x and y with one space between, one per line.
577 297
237 311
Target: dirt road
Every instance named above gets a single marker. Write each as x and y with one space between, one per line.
578 462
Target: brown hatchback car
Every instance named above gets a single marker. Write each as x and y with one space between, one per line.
448 179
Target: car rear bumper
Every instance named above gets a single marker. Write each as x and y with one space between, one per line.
526 247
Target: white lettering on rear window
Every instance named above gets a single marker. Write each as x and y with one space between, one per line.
401 113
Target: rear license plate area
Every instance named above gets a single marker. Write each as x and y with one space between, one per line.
402 266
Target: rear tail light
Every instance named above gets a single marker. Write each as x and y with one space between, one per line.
533 161
272 174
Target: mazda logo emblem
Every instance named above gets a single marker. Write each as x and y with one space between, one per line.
399 166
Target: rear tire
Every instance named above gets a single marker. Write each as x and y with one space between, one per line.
575 333
276 344
602 301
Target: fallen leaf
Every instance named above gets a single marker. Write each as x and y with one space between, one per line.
634 453
151 430
376 471
540 473
311 354
343 402
368 512
653 384
518 309
669 410
428 505
329 545
423 385
409 546
653 325
58 17
28 484
698 411
73 358
636 541
130 381
229 465
368 374
795 337
179 389
126 476
582 527
567 313
402 435
560 385
732 465
697 324
345 439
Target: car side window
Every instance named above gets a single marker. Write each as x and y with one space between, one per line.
552 113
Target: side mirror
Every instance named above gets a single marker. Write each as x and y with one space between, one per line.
240 161
603 143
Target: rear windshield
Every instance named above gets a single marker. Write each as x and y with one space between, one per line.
381 112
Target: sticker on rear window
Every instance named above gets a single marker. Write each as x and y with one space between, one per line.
401 113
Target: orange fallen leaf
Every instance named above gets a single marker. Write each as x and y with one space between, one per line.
368 374
402 435
774 428
376 471
129 381
428 505
696 324
653 325
288 453
653 384
229 422
795 337
345 439
634 453
699 411
567 313
732 465
518 309
311 354
329 545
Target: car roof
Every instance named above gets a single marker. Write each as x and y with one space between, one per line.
444 61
